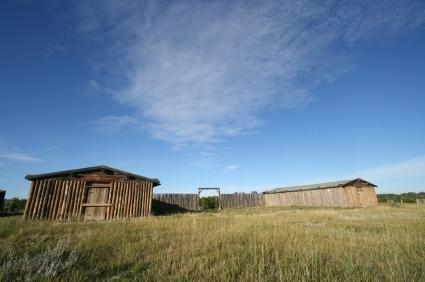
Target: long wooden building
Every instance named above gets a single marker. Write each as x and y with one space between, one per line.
346 193
91 193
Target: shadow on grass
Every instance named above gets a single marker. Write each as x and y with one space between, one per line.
7 214
163 208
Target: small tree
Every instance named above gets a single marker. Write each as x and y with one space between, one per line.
209 203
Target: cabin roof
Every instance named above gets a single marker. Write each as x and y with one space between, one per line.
70 172
325 185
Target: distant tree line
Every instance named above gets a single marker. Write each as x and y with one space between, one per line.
14 205
409 197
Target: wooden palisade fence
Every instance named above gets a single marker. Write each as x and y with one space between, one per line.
189 202
241 200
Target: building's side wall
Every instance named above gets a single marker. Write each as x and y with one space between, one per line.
130 199
345 197
55 199
59 199
335 197
362 196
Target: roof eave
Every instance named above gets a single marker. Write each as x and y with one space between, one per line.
318 187
32 177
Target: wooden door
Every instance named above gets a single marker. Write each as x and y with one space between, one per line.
96 204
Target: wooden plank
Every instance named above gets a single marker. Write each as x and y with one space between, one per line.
145 194
61 195
37 200
114 200
127 199
71 200
34 199
142 191
109 200
64 199
118 199
30 196
150 198
137 198
122 199
52 201
48 199
76 200
58 186
130 200
43 199
83 200
59 192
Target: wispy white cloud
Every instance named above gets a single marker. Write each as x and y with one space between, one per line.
405 168
12 154
93 85
198 71
58 48
231 168
114 124
19 157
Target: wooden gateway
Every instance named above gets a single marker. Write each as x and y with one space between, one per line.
91 193
346 193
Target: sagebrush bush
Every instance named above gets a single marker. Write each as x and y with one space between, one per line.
49 263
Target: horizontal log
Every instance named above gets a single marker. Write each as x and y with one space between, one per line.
96 205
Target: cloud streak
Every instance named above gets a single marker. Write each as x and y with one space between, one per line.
110 125
200 71
406 168
19 157
11 154
231 168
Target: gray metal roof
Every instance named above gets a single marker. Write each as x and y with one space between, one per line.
325 185
92 168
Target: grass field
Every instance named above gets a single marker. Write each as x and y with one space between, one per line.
381 243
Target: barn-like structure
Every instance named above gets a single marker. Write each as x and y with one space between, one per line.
91 193
346 194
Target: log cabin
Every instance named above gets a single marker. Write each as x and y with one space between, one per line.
91 193
352 193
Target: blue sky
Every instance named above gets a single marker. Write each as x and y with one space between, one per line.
242 95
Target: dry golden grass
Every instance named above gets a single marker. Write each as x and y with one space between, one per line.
287 244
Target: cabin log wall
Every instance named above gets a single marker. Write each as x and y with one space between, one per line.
62 199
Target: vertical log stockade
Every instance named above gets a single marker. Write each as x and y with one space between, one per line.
93 193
